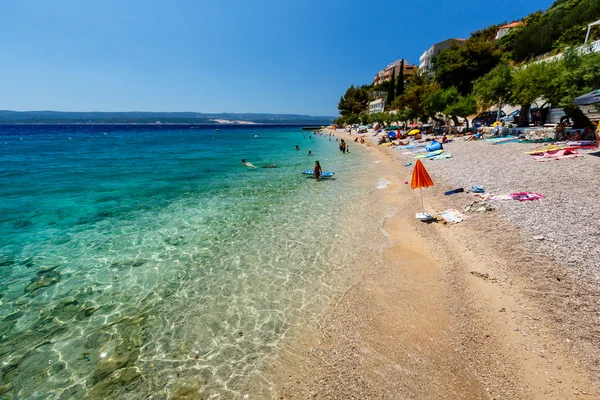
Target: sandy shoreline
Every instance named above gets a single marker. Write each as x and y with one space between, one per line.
453 311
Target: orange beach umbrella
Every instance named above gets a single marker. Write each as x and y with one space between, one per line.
420 179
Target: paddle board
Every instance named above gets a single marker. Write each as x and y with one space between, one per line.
323 174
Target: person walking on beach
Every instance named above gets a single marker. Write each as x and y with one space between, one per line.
317 170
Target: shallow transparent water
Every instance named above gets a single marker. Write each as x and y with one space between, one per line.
152 248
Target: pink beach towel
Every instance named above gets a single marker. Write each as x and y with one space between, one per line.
526 196
556 155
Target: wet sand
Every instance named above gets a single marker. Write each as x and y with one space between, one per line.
450 312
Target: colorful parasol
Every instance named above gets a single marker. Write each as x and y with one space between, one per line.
421 179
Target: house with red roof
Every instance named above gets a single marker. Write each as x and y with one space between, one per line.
504 29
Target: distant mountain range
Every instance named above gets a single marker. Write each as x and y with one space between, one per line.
134 117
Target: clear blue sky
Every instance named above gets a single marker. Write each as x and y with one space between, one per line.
274 56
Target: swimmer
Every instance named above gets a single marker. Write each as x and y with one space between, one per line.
310 153
297 147
247 164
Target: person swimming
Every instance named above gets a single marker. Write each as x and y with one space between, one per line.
310 153
247 164
297 147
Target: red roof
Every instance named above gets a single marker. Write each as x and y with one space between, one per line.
511 25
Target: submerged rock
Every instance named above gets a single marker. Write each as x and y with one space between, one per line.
136 262
109 364
43 280
129 374
188 389
6 388
46 268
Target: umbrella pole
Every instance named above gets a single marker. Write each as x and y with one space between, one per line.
422 205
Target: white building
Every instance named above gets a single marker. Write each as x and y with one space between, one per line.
425 64
376 106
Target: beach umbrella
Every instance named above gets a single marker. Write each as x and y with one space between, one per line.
590 98
421 179
414 132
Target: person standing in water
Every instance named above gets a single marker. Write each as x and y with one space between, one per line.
317 170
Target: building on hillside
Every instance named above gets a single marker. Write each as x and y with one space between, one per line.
386 74
504 29
425 64
376 106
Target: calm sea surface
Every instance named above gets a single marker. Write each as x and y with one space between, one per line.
128 250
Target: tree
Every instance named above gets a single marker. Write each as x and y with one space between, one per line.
570 77
354 101
564 23
400 83
459 66
495 87
528 84
390 97
461 106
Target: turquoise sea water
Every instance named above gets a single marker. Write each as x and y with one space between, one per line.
128 250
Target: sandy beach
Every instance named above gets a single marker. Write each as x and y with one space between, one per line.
501 305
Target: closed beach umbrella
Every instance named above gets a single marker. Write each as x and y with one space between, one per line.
590 98
421 179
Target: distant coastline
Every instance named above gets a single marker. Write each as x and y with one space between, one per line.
158 118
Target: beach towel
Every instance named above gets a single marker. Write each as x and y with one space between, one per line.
441 156
505 141
453 216
556 155
526 196
493 197
429 154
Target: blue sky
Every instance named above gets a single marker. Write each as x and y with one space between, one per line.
273 56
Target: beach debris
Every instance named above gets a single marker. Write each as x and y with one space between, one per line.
453 216
477 189
408 164
502 309
539 237
485 276
478 206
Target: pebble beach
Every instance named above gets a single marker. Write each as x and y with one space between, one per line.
508 296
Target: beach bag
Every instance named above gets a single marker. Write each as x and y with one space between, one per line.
435 145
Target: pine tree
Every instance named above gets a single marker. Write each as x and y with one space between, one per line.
400 83
391 90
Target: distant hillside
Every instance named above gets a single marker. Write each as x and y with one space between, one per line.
59 117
